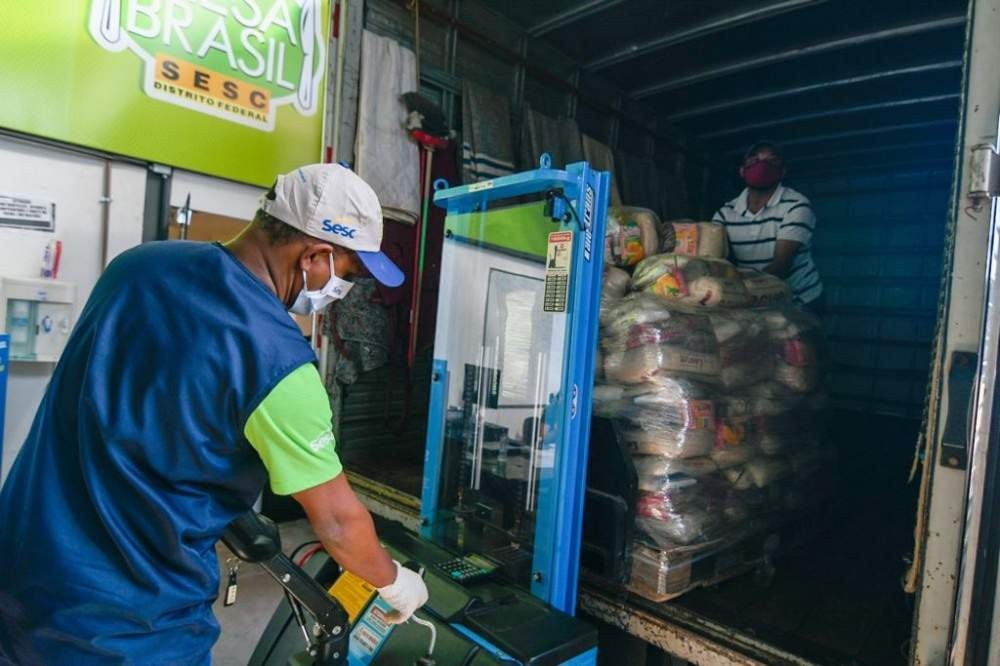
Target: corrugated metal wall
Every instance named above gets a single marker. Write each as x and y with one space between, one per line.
629 135
374 406
878 247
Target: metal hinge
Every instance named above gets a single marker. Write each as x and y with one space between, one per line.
984 182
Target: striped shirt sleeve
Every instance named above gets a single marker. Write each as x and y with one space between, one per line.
798 224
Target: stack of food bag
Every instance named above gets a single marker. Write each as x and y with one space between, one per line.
683 279
711 377
631 236
698 239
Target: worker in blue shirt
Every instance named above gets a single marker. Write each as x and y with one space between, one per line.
183 389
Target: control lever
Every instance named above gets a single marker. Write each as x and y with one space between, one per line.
255 538
428 659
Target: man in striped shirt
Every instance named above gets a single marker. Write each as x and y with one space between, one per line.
770 226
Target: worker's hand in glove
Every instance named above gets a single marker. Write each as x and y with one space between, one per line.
406 594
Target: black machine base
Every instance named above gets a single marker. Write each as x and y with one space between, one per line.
482 621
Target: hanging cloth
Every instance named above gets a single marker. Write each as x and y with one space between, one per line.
386 157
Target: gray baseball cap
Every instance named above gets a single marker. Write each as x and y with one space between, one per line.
334 204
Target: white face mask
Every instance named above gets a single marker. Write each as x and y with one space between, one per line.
309 302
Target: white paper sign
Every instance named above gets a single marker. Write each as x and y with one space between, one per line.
27 212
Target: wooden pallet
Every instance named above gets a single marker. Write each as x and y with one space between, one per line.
660 575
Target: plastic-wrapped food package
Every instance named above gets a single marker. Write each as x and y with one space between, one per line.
743 365
735 420
799 352
642 361
713 291
691 526
670 518
735 325
758 473
674 418
795 336
675 421
668 238
633 310
799 379
670 394
773 443
720 410
679 344
667 275
669 438
691 280
744 356
631 235
684 512
790 431
618 400
658 473
615 283
677 393
763 288
608 399
700 239
726 456
733 505
613 289
785 323
622 245
771 398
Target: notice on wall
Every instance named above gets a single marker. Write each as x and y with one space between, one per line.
27 213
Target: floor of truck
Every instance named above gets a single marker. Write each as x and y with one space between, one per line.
839 599
399 467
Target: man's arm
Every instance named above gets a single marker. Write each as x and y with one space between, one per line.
346 530
784 255
290 429
794 233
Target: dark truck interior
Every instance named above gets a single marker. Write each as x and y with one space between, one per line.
864 98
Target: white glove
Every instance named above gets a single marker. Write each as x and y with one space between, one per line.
406 594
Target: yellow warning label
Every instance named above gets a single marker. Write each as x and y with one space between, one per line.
353 593
557 265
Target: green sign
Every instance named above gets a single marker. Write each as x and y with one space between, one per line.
231 88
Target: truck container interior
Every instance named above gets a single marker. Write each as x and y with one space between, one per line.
865 100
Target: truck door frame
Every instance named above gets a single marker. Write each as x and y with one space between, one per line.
945 487
975 592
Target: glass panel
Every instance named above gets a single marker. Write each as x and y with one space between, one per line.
505 358
518 329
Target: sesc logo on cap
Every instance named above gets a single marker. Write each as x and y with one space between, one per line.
339 229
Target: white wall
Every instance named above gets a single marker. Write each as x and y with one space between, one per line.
214 195
75 183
